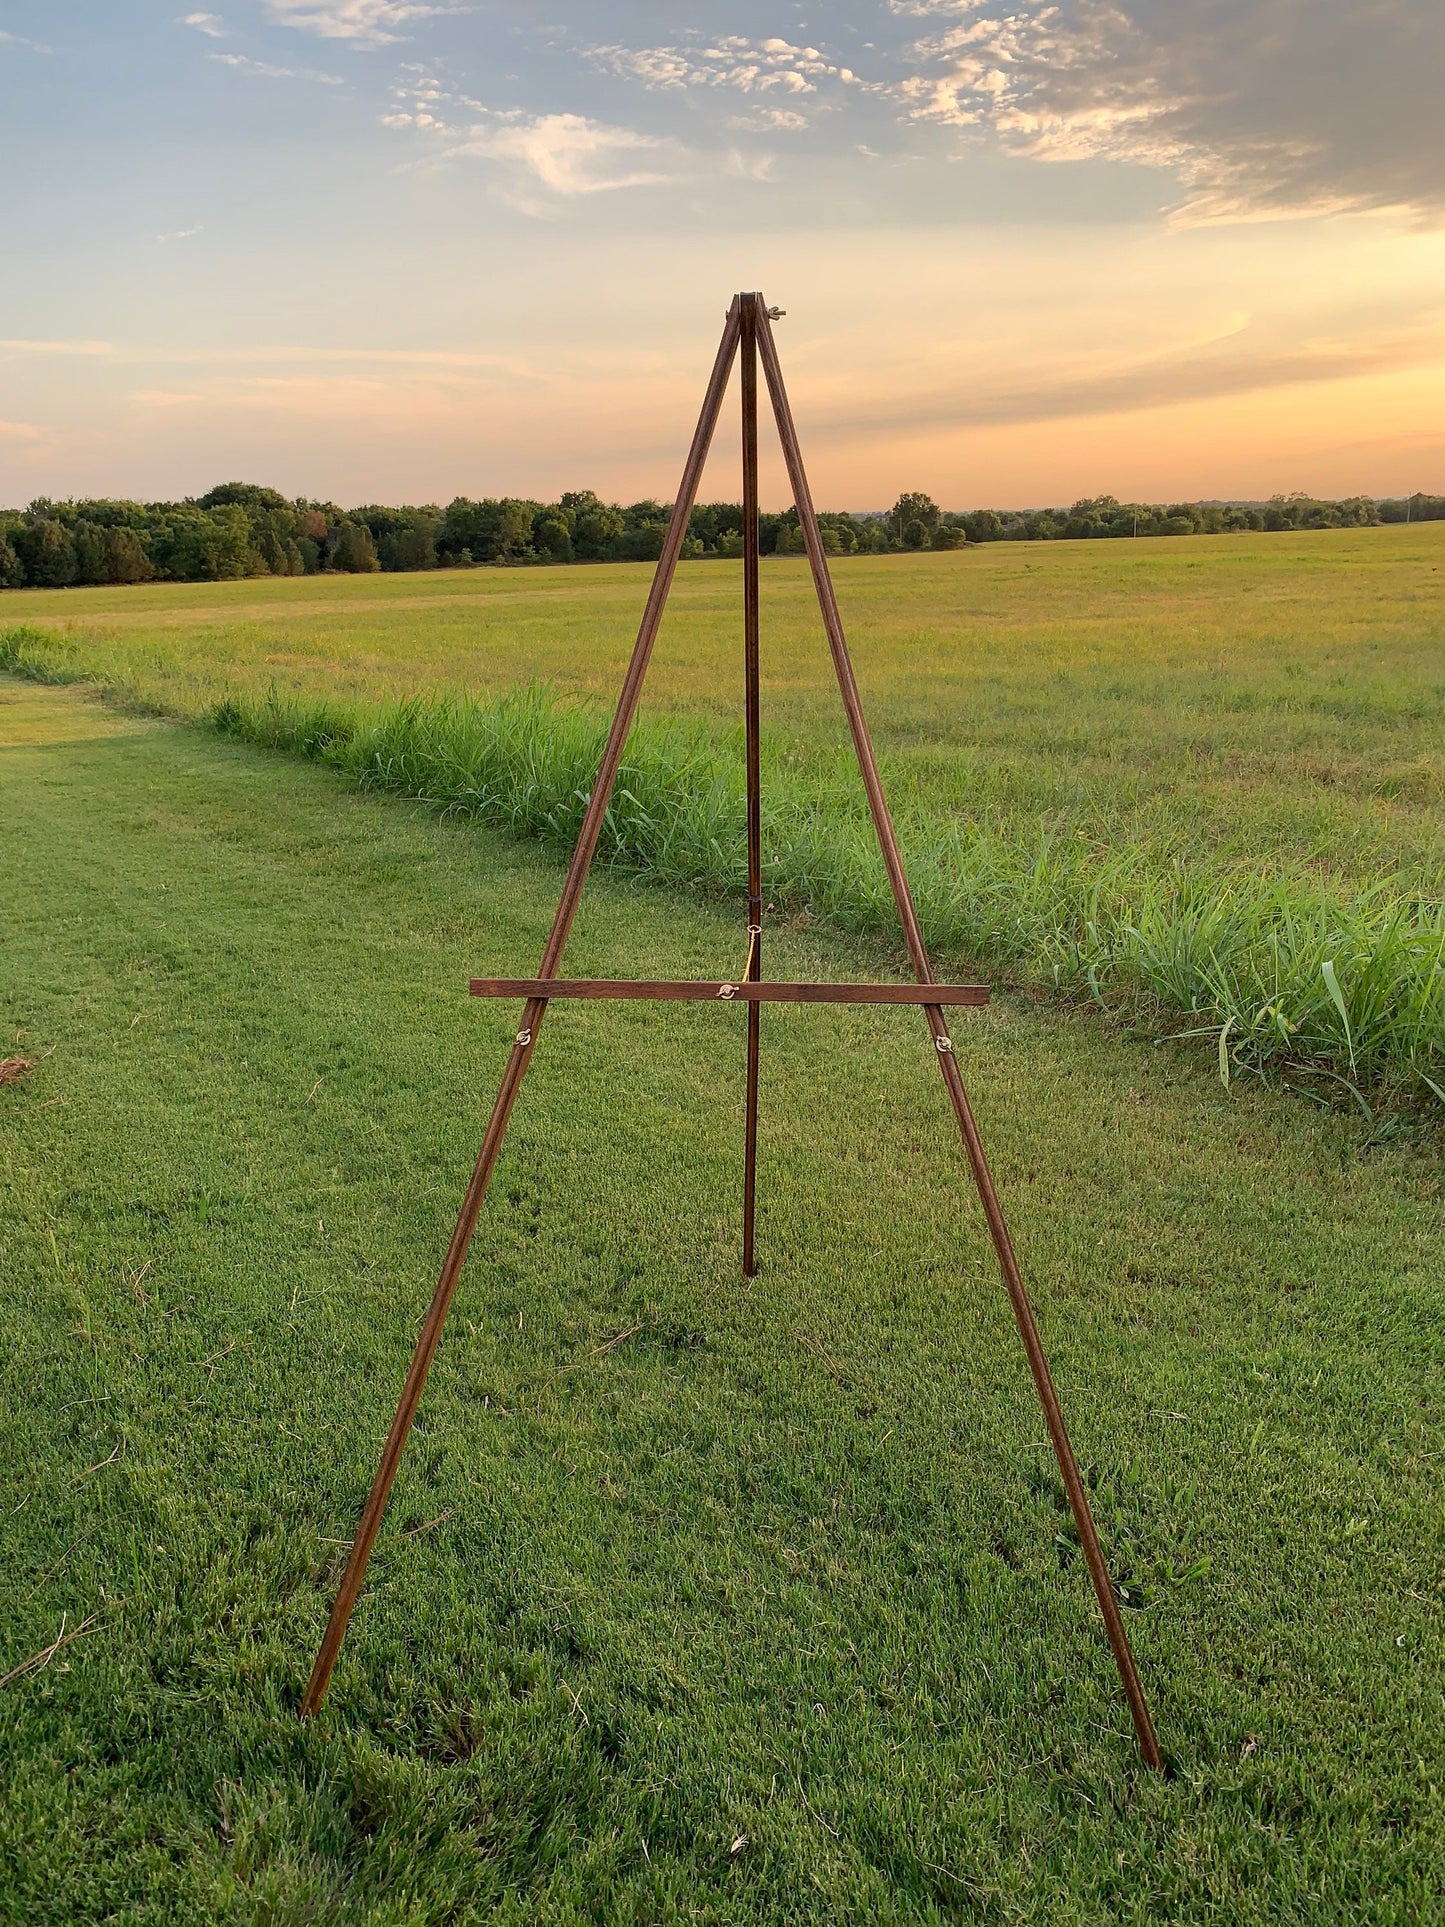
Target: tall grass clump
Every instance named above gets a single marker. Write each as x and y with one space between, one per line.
1279 973
1341 992
37 655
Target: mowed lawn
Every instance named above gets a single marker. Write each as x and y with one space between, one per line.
1273 701
696 1601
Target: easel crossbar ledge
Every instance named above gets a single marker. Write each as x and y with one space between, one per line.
744 991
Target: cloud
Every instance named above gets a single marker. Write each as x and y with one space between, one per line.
19 40
769 120
1251 361
180 234
366 23
20 431
1263 109
542 159
729 60
209 24
265 71
565 154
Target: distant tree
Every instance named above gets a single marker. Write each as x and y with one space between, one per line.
912 507
354 552
488 531
201 545
412 544
712 522
245 495
125 557
845 532
1135 518
644 531
46 553
105 512
240 528
274 535
1189 512
1413 508
596 531
1039 526
643 542
509 532
88 539
454 542
1359 512
580 501
552 535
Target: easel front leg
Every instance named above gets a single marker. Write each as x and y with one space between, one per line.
582 855
426 1345
1044 1384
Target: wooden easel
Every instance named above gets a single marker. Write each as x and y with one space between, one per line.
748 330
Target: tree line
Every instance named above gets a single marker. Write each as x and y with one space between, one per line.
240 529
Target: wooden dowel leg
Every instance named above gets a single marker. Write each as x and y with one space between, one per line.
973 1144
426 1345
750 1144
521 1056
748 373
1048 1398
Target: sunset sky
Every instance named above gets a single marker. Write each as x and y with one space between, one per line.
376 250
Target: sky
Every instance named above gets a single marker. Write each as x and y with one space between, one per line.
392 250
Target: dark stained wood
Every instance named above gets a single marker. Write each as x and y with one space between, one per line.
521 1056
748 374
742 992
968 1128
748 325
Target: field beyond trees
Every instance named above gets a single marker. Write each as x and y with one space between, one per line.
695 1601
1200 781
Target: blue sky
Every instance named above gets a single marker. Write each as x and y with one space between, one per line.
375 249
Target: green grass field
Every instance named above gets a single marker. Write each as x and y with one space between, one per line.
1199 780
695 1601
1275 698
